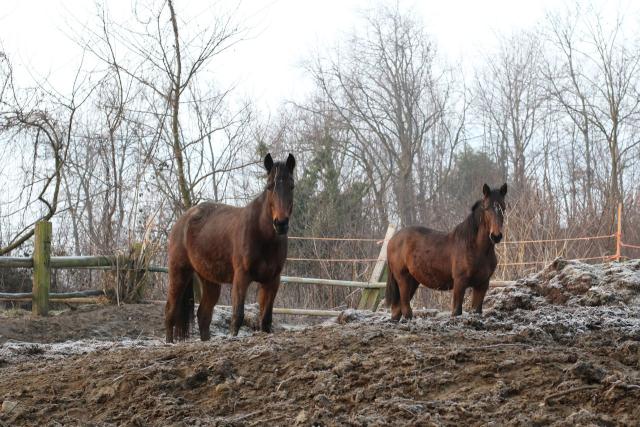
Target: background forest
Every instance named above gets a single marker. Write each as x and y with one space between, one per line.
391 131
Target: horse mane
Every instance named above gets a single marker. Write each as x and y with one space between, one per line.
259 198
468 228
276 168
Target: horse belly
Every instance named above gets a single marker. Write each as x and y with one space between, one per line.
430 276
212 268
209 245
432 281
220 272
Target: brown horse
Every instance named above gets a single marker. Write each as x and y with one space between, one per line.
463 258
226 244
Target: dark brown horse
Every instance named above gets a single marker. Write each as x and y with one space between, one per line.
463 258
226 244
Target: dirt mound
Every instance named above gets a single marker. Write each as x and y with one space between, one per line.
369 371
572 283
536 357
106 323
85 322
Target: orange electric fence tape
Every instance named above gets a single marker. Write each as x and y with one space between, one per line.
334 259
569 239
340 239
514 242
604 257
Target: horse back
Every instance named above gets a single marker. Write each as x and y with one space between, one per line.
424 254
218 240
417 240
204 239
207 220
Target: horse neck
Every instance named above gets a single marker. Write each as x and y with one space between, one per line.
475 231
482 239
262 217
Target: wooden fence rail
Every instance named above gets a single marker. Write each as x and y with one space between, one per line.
42 263
76 294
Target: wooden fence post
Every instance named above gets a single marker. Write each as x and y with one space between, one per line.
41 268
371 298
618 254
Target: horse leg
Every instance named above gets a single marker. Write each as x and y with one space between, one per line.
180 277
459 287
266 296
477 297
392 295
396 312
408 286
238 293
208 300
396 299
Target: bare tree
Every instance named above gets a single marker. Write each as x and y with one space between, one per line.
219 138
166 60
566 84
509 94
46 120
594 79
385 87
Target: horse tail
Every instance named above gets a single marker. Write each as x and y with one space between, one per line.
392 292
184 312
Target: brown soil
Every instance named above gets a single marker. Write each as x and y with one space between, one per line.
525 362
86 322
367 372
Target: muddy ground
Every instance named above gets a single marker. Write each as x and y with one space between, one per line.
558 348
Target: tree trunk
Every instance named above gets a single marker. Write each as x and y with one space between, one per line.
183 185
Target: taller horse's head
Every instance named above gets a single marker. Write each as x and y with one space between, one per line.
280 191
493 209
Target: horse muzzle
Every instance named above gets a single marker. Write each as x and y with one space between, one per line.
281 227
495 238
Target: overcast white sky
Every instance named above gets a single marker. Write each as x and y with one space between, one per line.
35 35
266 67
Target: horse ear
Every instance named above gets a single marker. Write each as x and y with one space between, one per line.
268 162
291 162
486 190
503 189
